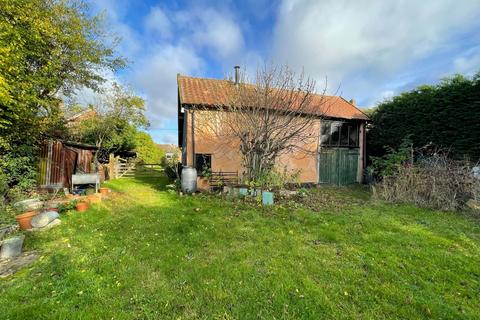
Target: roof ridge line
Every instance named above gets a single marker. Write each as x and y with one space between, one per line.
355 107
251 84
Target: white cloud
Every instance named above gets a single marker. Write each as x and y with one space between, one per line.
158 21
369 41
85 96
164 137
156 77
155 73
115 11
369 47
469 62
175 42
212 29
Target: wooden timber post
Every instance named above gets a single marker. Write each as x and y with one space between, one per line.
111 167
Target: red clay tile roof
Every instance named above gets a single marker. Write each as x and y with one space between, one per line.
214 92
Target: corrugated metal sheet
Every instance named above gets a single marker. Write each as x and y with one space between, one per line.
58 162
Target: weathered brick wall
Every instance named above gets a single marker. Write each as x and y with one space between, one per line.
226 155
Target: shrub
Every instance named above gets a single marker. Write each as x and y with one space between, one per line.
19 173
435 182
3 185
171 172
276 179
172 167
392 160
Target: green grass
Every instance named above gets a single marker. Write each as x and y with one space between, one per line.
149 254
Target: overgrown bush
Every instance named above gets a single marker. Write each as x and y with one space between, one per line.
172 168
276 179
392 160
434 181
19 173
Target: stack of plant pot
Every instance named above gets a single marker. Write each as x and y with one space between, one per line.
104 191
84 202
94 198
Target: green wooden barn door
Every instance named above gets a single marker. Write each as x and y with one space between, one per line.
338 166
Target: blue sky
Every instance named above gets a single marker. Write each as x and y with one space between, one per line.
368 50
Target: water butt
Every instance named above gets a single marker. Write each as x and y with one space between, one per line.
189 179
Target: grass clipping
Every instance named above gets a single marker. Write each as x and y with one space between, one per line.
434 182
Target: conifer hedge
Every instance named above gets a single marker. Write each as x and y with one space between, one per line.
446 115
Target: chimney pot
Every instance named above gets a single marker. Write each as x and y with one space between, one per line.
237 74
352 101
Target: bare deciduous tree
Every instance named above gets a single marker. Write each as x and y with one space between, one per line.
278 114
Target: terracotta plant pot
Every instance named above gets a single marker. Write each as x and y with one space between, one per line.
24 219
93 198
104 191
51 209
82 206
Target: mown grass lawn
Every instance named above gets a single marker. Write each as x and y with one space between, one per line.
150 254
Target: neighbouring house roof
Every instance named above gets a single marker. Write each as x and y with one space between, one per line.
167 147
80 145
215 92
82 115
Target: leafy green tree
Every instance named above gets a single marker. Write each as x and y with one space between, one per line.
147 150
48 48
444 115
118 115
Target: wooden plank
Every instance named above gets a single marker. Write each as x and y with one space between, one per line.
338 166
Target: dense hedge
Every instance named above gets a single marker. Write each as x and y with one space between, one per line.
446 115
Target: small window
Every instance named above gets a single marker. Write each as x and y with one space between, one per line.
325 133
353 135
335 133
203 162
344 134
339 134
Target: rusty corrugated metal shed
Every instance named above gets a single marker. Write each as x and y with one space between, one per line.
59 160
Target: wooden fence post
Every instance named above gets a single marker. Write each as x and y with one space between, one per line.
111 166
116 166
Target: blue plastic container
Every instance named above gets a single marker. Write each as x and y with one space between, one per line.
267 198
242 192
